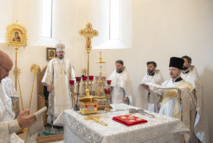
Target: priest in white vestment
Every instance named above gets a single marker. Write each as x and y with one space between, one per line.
179 103
121 84
58 73
190 74
8 126
153 76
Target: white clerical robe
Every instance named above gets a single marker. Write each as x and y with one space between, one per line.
8 126
201 122
58 74
142 100
173 105
121 86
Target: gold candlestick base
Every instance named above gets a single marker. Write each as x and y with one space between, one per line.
107 109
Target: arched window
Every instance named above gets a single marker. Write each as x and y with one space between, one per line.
46 18
114 19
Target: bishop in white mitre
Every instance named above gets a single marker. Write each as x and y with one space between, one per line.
179 103
121 84
190 74
58 73
153 76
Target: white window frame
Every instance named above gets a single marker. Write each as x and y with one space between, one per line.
46 24
114 19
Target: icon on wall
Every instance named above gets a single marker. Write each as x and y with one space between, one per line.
51 53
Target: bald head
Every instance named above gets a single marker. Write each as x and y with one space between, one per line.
6 65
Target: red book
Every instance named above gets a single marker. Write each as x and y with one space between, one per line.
129 120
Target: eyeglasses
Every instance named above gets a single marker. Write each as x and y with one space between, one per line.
5 68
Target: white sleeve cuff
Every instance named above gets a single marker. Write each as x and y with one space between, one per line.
14 126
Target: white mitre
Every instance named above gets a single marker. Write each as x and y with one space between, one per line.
60 47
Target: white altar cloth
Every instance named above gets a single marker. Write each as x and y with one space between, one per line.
160 129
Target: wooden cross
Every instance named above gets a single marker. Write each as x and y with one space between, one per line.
88 33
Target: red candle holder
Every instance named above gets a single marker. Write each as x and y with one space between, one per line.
72 82
84 78
107 90
91 78
109 82
78 79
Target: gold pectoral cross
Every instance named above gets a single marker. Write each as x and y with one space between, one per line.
62 71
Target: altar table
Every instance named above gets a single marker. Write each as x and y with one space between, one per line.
161 129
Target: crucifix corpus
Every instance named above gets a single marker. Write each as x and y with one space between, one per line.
88 33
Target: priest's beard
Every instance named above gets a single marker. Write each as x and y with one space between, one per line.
61 57
150 71
184 68
119 71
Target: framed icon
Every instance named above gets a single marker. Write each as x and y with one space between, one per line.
51 53
16 35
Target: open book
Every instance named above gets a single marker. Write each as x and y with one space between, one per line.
33 130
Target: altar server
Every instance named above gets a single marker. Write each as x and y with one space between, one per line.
190 74
121 84
153 76
178 103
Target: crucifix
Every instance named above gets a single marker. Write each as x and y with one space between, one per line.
96 119
88 33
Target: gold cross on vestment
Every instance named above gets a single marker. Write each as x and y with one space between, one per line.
88 33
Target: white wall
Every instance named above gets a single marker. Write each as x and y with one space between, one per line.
153 30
